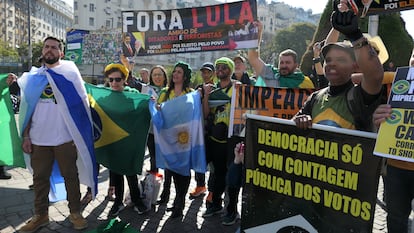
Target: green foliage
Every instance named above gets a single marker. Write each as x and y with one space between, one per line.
399 43
321 32
7 51
36 52
295 37
399 47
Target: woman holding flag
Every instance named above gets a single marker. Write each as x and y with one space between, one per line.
116 74
178 86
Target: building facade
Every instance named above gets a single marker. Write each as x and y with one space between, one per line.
47 18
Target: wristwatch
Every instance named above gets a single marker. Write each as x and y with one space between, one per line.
316 60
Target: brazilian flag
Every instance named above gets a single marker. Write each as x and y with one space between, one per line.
11 153
121 123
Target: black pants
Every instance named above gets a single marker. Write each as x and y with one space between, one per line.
118 182
181 188
218 153
165 194
200 179
151 149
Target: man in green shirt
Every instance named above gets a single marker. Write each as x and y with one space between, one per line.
287 73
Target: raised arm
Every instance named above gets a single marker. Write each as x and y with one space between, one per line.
253 55
346 22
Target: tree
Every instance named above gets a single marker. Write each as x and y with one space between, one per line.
399 43
399 47
7 51
36 53
322 30
295 37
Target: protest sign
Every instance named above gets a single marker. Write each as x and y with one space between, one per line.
265 101
396 135
225 26
373 7
323 179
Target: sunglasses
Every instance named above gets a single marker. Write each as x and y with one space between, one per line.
116 80
222 67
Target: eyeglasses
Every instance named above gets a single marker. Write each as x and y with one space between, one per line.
222 67
116 80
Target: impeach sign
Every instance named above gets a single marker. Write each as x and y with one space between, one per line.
226 26
323 179
265 101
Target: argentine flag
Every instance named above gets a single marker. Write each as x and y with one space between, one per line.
179 134
69 91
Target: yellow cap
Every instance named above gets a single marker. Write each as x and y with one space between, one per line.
120 67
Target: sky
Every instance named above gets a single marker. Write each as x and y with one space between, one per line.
317 6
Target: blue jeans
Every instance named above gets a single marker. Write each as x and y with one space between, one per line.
399 191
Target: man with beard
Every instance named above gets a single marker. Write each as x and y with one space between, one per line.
55 123
287 73
220 148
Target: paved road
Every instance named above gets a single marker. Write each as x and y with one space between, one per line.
16 207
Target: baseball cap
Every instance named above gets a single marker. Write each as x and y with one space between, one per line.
207 66
344 46
239 57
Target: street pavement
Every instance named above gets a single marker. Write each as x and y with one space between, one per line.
16 207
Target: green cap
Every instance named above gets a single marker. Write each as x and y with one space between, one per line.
227 61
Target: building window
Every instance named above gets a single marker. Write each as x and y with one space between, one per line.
91 21
75 5
76 19
92 7
108 23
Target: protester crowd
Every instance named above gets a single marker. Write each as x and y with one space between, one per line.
334 86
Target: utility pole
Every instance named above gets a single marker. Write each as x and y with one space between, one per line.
29 28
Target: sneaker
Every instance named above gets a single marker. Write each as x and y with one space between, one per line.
78 221
198 191
5 176
212 210
141 208
230 218
116 209
35 223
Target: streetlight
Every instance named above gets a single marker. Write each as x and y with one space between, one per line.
29 53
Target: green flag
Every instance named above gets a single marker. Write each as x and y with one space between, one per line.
11 153
121 123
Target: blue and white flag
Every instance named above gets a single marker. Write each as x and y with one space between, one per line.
179 134
69 91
